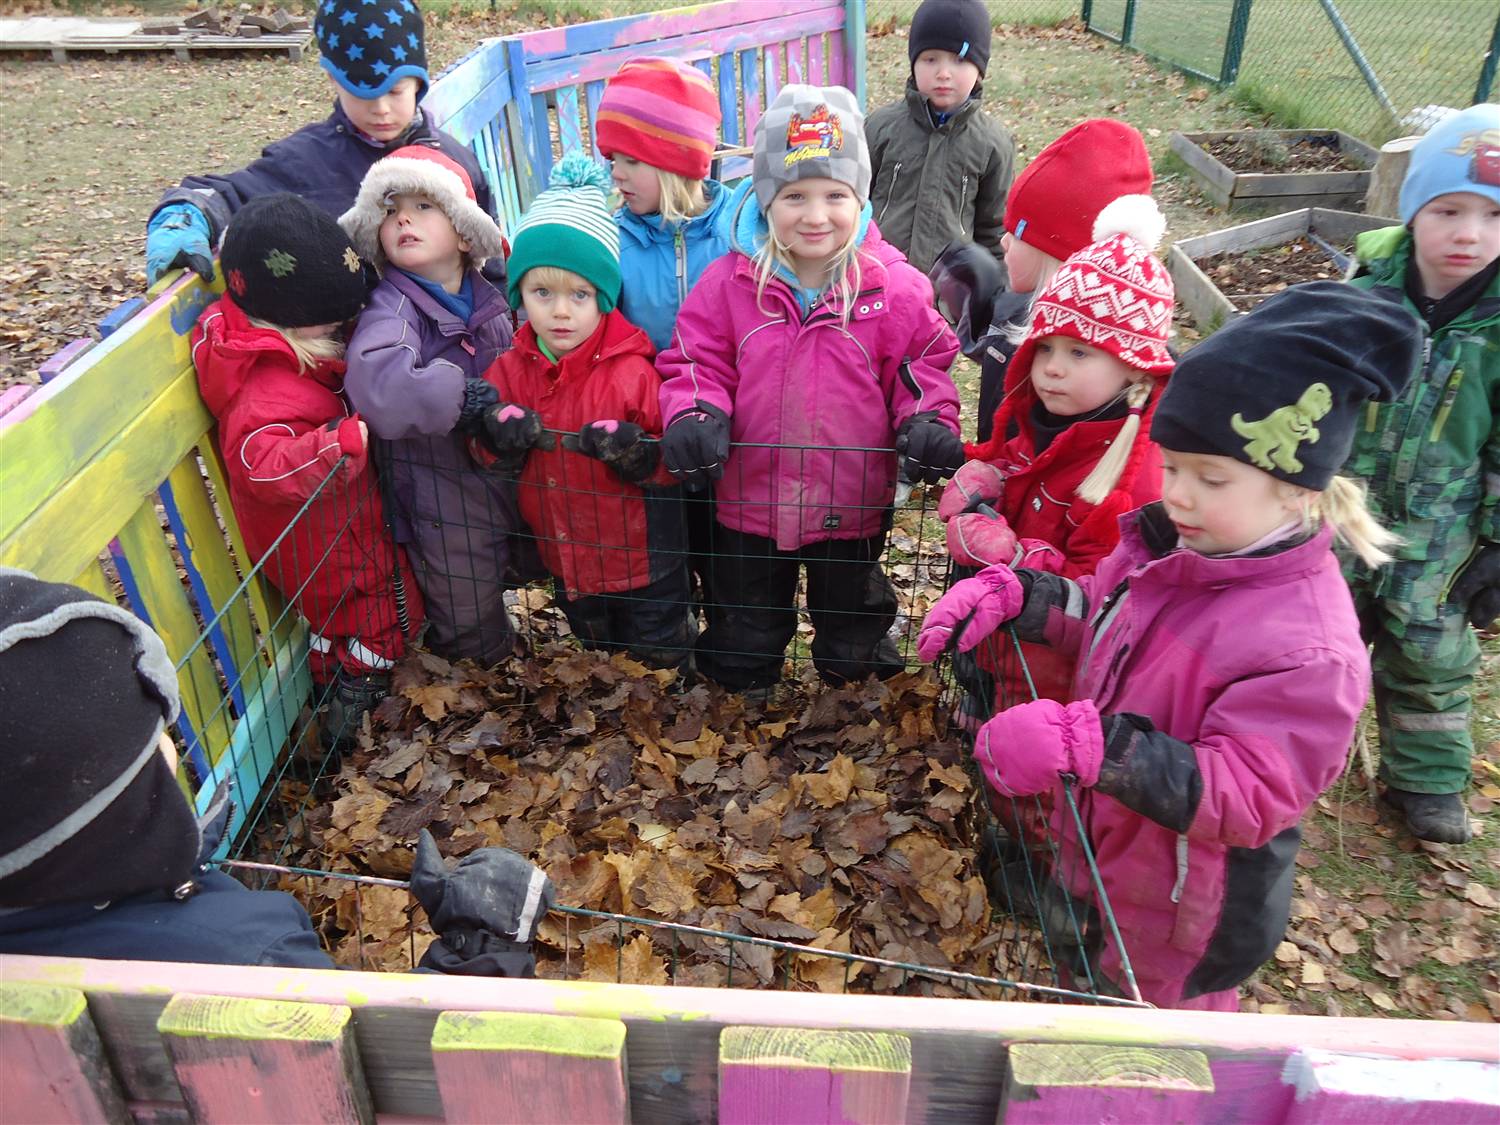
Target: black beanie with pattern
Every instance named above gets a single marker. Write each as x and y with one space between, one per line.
288 262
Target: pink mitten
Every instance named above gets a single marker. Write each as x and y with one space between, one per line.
971 611
981 539
976 482
1023 749
1034 554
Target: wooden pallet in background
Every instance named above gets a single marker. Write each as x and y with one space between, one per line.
68 36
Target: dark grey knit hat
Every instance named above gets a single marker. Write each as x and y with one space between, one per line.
90 811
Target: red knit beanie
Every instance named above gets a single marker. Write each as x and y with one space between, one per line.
1054 202
661 112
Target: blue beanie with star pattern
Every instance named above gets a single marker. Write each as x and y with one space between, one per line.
370 45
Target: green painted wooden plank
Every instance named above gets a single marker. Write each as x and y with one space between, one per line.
579 1036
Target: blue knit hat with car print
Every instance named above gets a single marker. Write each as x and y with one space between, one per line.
1462 153
370 45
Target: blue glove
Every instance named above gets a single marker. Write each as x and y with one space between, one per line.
177 235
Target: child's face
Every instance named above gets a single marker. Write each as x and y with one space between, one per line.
1023 263
814 218
944 79
1219 505
1073 378
1456 236
638 184
384 118
562 316
418 237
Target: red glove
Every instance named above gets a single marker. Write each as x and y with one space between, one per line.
1023 750
971 611
975 483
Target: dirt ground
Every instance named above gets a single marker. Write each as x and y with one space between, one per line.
1260 152
1379 925
1248 277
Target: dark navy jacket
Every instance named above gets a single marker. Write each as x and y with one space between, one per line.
323 163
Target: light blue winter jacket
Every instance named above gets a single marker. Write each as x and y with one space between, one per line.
660 266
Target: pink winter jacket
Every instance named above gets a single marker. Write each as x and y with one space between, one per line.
1245 677
788 382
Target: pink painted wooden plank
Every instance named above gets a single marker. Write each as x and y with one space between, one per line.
750 83
12 397
511 1066
52 1064
1052 1082
816 74
1016 1022
794 66
265 1061
774 55
1337 1089
813 1077
838 68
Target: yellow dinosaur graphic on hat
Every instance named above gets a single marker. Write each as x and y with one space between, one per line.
1274 439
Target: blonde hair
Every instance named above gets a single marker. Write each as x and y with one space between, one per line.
309 350
1017 330
844 275
681 198
1106 472
1342 507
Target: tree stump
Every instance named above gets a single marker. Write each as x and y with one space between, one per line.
1386 177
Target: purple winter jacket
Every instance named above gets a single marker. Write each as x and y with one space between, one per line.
1251 675
407 363
810 383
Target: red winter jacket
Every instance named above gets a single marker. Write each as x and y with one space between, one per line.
592 528
273 431
1041 502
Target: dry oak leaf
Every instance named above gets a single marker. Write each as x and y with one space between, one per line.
634 962
1342 941
433 699
1480 895
827 789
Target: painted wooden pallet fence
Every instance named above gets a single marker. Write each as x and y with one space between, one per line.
210 1043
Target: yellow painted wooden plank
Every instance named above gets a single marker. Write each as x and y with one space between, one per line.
165 602
206 546
93 401
76 521
93 579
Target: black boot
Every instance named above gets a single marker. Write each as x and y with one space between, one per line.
1439 818
353 695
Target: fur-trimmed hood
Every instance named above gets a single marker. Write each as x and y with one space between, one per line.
418 170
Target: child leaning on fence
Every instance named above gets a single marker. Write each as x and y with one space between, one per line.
269 355
940 167
1432 462
434 324
101 855
1050 215
814 334
375 56
607 519
1220 669
1072 452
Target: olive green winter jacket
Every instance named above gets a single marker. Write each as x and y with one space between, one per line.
1432 457
931 184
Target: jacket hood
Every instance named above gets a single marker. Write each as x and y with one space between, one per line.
749 227
230 351
648 229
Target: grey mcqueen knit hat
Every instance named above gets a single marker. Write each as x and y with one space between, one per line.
810 132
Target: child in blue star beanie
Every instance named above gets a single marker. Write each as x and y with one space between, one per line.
376 59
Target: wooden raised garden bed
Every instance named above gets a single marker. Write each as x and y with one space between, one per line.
1280 169
1227 272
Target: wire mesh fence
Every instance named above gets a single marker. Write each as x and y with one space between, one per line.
1373 68
1027 916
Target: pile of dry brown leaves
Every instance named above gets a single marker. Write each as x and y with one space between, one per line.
837 818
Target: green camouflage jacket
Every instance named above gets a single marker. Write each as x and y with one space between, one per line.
1432 458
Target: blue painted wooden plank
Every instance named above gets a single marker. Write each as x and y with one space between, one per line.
525 142
509 200
592 93
575 69
706 65
472 92
750 80
854 39
541 144
569 131
729 91
117 316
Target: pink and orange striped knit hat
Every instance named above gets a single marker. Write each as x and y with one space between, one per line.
661 112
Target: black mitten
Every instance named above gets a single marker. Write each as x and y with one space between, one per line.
1478 586
623 446
929 450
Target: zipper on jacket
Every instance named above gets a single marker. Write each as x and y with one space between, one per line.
895 175
681 245
963 201
1454 382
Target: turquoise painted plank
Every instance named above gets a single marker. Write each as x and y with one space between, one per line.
569 132
854 37
509 200
592 93
541 143
729 96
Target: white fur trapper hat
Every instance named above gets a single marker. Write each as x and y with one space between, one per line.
417 170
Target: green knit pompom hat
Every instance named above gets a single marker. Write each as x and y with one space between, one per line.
570 228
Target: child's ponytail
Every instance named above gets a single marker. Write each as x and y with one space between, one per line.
1342 507
1106 473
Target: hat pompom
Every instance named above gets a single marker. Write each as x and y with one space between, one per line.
577 170
1135 216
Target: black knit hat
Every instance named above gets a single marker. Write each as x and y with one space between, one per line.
1284 387
370 45
90 811
288 262
960 26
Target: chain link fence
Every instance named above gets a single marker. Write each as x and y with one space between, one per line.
1372 68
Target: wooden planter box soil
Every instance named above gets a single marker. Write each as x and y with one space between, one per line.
1281 191
1209 307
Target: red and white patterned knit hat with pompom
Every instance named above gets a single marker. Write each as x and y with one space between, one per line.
1114 294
